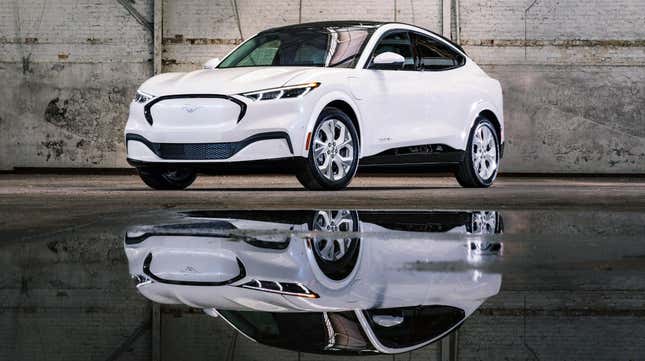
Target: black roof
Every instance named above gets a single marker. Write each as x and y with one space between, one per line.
356 23
333 24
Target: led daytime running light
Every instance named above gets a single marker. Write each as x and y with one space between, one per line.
141 97
294 91
283 288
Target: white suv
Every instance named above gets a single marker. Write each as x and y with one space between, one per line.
323 97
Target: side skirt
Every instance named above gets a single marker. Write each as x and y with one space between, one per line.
421 155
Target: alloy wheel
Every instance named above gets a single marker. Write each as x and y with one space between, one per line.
484 152
484 222
332 249
333 149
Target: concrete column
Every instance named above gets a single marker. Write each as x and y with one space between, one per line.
157 36
156 323
446 17
448 347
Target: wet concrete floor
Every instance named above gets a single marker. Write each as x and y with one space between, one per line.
99 268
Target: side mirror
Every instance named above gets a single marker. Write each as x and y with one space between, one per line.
387 321
388 60
212 63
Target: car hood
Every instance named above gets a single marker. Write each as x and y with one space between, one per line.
222 81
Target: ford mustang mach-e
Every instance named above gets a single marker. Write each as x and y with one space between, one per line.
326 98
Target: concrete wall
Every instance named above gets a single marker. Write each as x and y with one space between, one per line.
573 75
68 70
573 72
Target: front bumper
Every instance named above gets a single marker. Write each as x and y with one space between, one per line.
269 145
216 129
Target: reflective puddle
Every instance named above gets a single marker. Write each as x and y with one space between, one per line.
330 283
326 281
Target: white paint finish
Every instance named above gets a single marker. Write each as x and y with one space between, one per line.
203 114
139 151
270 149
388 58
394 108
221 81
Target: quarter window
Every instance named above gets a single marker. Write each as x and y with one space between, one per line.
434 55
398 43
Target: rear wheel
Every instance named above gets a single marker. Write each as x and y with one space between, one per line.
333 153
166 178
480 165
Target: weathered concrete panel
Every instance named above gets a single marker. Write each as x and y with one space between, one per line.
65 115
572 75
572 72
574 120
551 19
69 70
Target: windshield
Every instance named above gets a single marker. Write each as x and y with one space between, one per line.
322 47
317 332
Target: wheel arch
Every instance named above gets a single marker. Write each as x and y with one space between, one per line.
490 115
343 102
347 109
488 110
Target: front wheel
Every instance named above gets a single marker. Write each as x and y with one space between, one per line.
481 162
333 153
167 179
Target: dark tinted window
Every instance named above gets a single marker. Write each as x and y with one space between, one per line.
347 46
334 332
411 326
435 55
324 46
398 43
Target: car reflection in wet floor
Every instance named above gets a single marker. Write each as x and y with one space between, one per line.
325 281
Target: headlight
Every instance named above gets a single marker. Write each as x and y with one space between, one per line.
142 97
294 91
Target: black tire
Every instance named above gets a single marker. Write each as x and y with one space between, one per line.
307 171
167 178
466 174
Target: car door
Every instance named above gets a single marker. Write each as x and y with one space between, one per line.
392 102
441 75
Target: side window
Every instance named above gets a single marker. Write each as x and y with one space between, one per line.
434 55
398 43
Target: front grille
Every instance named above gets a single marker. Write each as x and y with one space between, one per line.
198 151
205 151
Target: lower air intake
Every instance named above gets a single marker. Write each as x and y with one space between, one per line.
201 151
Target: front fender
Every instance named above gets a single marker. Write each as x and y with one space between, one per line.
323 102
